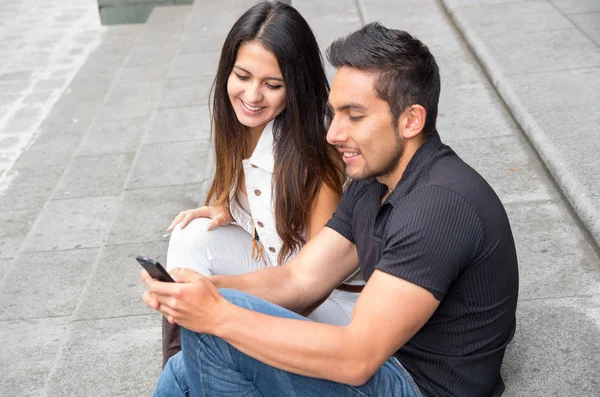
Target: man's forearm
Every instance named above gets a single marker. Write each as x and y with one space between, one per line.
274 284
302 347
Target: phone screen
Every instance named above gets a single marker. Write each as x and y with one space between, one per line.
154 269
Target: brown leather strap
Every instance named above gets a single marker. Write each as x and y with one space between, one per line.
350 288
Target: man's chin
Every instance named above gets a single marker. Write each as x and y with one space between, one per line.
356 174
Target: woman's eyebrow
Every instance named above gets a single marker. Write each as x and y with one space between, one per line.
266 78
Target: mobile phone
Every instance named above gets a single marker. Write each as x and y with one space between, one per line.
154 269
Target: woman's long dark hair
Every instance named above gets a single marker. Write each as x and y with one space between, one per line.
304 162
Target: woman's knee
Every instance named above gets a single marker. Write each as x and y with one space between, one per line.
194 231
187 247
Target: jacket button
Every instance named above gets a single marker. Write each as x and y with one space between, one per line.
260 224
257 192
272 249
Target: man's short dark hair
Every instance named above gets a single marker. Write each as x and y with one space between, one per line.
408 73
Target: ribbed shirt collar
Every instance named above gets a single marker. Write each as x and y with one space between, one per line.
417 164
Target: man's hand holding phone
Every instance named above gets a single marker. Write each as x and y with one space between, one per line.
192 302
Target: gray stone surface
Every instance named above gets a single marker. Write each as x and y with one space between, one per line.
508 165
30 184
194 65
14 226
134 76
145 214
457 107
179 124
53 280
130 103
186 92
116 278
554 254
71 224
555 351
498 19
546 51
5 264
327 29
555 114
93 176
37 46
113 136
586 208
198 42
165 164
549 82
468 3
28 353
589 24
150 53
109 357
577 6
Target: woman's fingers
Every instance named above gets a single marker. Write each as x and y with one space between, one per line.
219 218
187 216
176 221
187 219
214 223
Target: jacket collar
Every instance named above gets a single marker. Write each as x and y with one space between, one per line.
264 152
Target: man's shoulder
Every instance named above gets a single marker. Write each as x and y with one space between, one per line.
449 171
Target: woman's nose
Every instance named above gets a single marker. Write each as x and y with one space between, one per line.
253 93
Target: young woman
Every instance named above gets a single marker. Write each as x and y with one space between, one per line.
276 177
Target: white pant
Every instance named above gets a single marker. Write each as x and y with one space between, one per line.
227 250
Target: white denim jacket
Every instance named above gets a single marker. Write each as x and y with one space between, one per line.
258 171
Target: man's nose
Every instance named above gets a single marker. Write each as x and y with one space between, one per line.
335 133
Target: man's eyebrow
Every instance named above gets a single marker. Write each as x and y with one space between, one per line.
266 78
351 106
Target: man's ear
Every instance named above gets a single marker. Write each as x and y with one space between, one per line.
414 121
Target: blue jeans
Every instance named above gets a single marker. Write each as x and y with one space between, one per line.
209 366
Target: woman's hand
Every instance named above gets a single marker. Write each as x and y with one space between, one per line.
220 216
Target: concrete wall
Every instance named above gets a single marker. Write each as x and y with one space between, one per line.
113 12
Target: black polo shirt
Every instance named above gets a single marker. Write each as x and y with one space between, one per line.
442 228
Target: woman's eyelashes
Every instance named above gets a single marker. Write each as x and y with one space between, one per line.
273 86
269 85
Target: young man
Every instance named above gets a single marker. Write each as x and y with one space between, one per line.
431 235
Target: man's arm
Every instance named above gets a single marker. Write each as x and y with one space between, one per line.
388 313
320 266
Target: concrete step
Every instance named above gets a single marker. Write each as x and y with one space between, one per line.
41 269
38 170
111 296
67 188
537 54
